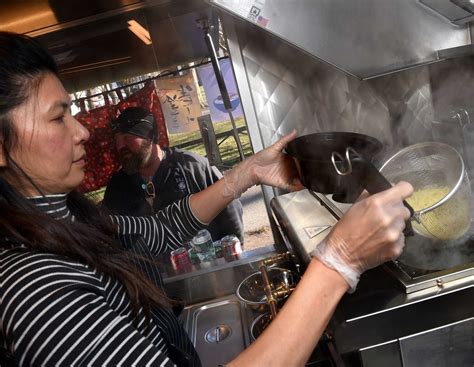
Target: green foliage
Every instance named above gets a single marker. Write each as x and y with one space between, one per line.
228 148
96 196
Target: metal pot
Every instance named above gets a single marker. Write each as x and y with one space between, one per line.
260 324
251 290
312 154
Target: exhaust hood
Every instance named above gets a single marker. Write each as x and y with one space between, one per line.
364 38
456 11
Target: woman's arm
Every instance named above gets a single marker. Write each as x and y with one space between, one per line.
177 223
306 312
269 167
369 234
169 228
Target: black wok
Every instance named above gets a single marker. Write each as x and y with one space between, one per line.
312 155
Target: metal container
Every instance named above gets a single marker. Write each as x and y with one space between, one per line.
219 329
260 324
251 289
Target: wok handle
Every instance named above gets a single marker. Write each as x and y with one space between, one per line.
373 181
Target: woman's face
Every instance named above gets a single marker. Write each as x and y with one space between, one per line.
50 146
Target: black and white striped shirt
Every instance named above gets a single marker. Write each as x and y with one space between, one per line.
55 311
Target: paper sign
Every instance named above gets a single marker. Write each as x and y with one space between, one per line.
180 103
214 100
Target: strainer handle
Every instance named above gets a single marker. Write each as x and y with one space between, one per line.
373 181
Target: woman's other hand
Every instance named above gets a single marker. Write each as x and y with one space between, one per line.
272 167
369 234
268 167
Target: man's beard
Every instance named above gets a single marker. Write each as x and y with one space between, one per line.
132 162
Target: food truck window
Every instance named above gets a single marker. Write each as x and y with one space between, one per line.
118 54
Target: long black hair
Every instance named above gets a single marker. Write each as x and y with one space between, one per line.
91 239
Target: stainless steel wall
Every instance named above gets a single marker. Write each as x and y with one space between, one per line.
283 89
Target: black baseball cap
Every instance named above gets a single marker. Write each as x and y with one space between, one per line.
136 121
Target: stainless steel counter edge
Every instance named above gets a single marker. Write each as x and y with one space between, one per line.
220 264
303 221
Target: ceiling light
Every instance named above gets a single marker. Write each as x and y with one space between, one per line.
139 31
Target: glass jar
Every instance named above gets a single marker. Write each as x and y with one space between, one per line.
203 245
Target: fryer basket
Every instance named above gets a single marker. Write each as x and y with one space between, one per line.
441 197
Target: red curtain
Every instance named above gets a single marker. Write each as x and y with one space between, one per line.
102 160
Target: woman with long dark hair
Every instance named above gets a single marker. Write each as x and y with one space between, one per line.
79 287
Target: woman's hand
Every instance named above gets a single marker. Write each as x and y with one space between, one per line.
268 167
274 168
369 234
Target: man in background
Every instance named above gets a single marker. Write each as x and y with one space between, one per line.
152 177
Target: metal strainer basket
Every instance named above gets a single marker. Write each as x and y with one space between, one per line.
441 197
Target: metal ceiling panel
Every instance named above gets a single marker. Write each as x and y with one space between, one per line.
28 16
92 44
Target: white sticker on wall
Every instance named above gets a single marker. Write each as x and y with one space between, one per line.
314 231
250 9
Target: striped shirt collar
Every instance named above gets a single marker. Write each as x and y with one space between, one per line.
53 205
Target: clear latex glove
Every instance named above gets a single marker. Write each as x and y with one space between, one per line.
269 167
369 234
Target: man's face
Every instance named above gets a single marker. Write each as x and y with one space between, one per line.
134 152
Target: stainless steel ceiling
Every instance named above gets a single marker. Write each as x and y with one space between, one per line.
363 38
91 41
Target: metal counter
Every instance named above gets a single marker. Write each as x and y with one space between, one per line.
216 279
219 329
